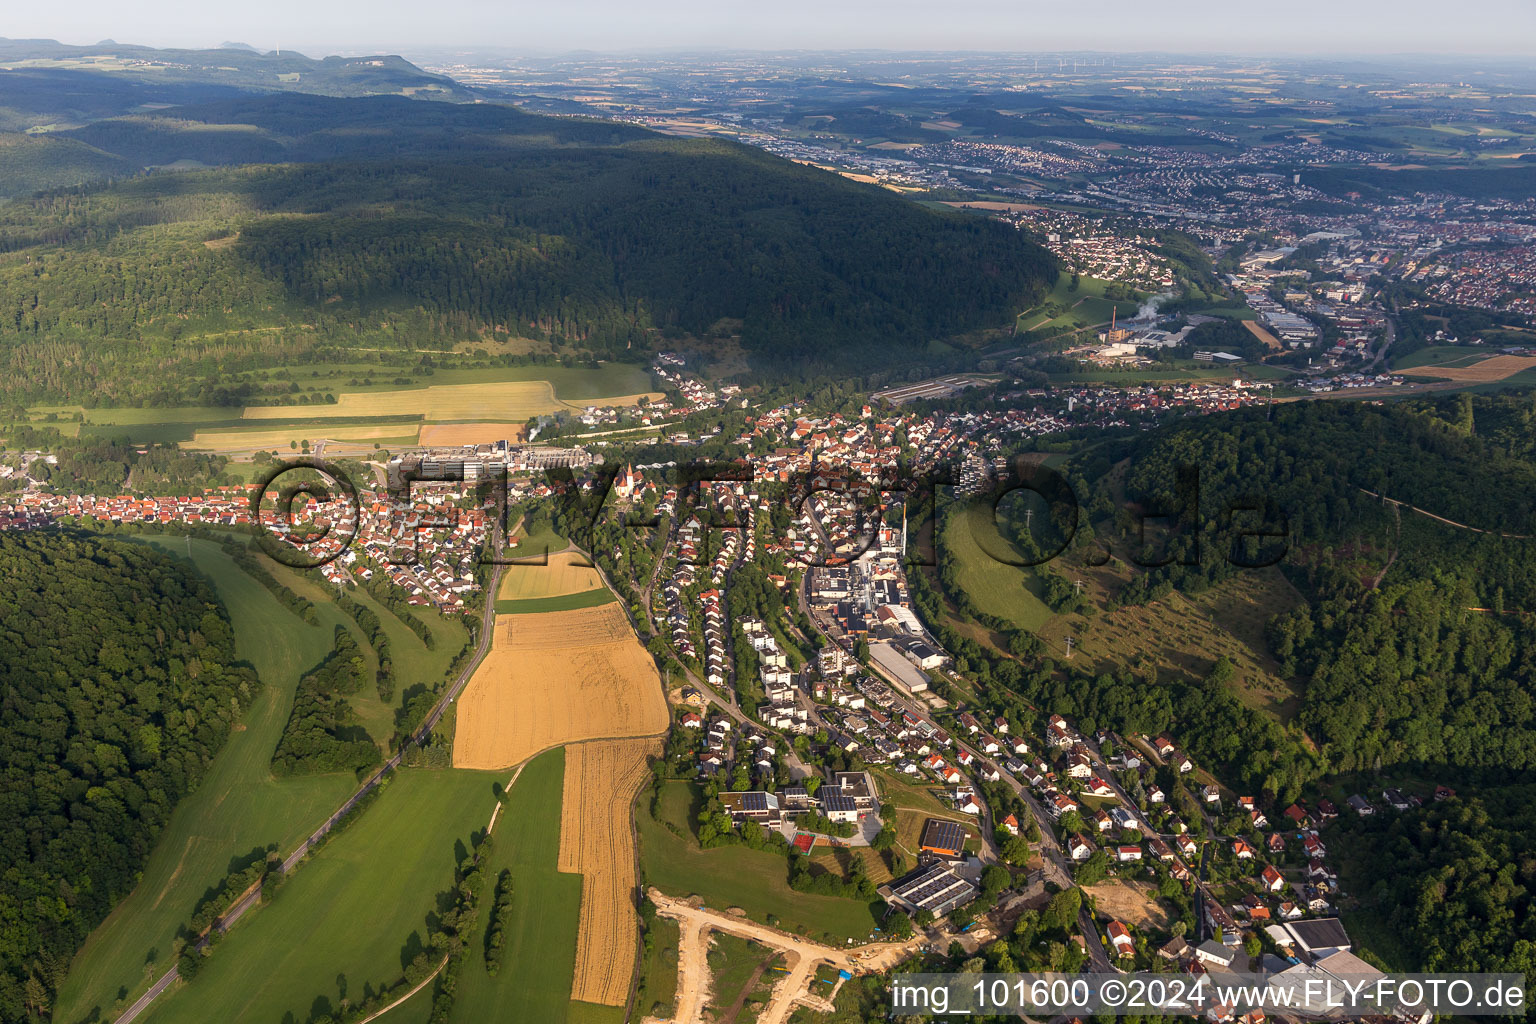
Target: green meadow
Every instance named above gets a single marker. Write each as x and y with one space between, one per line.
238 806
563 603
997 588
351 917
539 955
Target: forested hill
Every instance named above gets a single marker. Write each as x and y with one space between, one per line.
1417 645
235 67
437 223
1413 653
117 687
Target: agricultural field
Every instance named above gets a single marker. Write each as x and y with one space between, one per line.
1439 355
450 434
1270 341
350 917
454 405
539 955
597 842
258 438
237 807
563 603
757 881
502 402
557 677
841 859
1482 371
568 572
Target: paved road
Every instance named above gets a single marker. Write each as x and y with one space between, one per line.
251 898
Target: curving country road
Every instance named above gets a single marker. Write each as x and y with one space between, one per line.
252 897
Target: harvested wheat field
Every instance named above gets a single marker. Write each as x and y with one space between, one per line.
554 678
596 840
450 434
566 573
1269 340
1481 372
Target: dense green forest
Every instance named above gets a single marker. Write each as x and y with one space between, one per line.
322 734
117 687
1453 881
473 221
1416 644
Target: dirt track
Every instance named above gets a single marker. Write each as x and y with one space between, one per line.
801 956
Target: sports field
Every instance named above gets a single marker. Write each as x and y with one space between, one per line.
349 918
597 841
553 678
237 807
539 954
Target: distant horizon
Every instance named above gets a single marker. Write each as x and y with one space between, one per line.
1477 28
320 50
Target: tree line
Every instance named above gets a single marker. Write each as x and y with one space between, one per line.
119 684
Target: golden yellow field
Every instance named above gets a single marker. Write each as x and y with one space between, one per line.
449 434
1481 372
1269 340
601 780
553 678
495 403
566 573
239 439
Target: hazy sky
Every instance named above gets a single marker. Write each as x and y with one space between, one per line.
352 26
